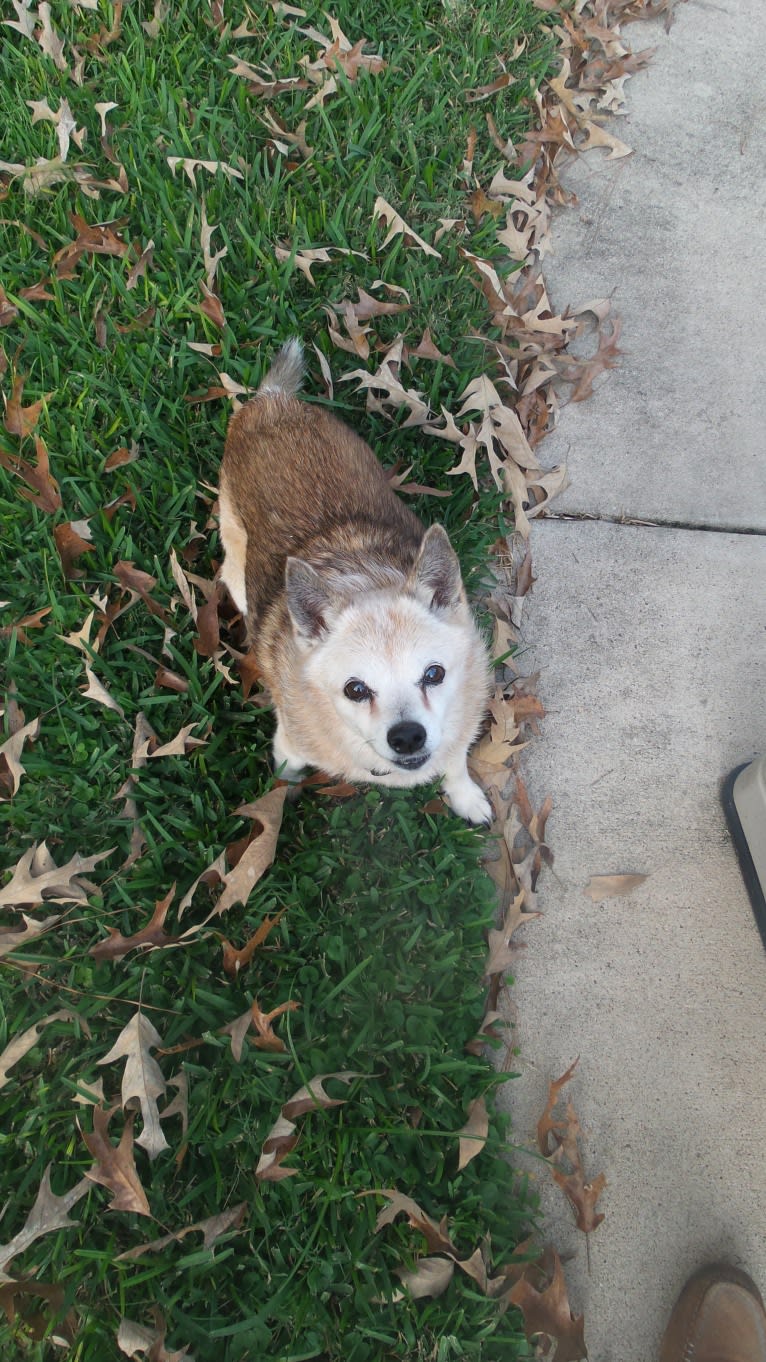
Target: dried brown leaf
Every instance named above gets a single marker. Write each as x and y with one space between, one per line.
115 1166
36 879
125 454
261 81
142 1079
429 1277
600 887
211 1229
398 227
20 420
212 306
207 641
12 937
473 1135
435 1234
548 1312
234 960
282 1138
132 578
153 936
95 690
481 92
190 165
427 350
138 270
71 545
26 1040
8 310
49 1213
180 745
559 1141
11 768
265 1037
239 882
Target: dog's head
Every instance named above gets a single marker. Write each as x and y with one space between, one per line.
392 662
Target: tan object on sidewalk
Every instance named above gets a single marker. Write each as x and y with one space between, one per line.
719 1317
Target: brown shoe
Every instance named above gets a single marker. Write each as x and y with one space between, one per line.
719 1317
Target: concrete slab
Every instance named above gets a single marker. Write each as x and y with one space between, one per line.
677 232
650 644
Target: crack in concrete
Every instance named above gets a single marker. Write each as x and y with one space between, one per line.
705 526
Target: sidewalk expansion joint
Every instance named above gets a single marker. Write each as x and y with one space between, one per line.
707 528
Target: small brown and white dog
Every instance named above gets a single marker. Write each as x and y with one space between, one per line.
357 615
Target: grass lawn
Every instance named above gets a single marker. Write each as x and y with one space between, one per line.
382 907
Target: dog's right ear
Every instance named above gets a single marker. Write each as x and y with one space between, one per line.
436 574
310 600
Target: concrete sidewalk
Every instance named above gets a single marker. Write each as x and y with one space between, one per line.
651 644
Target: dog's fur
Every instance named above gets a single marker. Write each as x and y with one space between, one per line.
340 583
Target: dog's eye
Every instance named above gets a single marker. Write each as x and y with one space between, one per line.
433 675
356 690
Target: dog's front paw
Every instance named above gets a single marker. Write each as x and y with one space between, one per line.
287 764
468 801
292 774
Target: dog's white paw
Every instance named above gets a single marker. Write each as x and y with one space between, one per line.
468 801
287 764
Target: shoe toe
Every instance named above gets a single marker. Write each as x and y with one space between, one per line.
719 1317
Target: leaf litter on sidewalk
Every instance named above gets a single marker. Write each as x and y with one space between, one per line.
362 963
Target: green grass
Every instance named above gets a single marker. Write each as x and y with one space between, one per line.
382 940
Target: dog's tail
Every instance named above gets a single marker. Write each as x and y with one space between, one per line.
286 373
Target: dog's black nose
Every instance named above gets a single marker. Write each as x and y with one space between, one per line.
406 738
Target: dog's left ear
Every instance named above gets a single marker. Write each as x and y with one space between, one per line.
310 600
436 578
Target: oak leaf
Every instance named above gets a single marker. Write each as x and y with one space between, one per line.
212 1228
49 1213
153 936
11 768
96 690
385 391
142 1079
115 1166
26 1040
190 165
600 887
235 960
180 745
548 1312
239 882
435 1234
20 420
266 1037
140 583
398 227
473 1135
71 544
42 489
49 40
262 82
135 273
502 950
429 1277
37 879
136 1340
427 350
558 1141
282 1137
11 937
480 92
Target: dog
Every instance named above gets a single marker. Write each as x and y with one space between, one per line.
357 613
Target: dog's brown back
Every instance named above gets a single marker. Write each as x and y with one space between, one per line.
306 485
